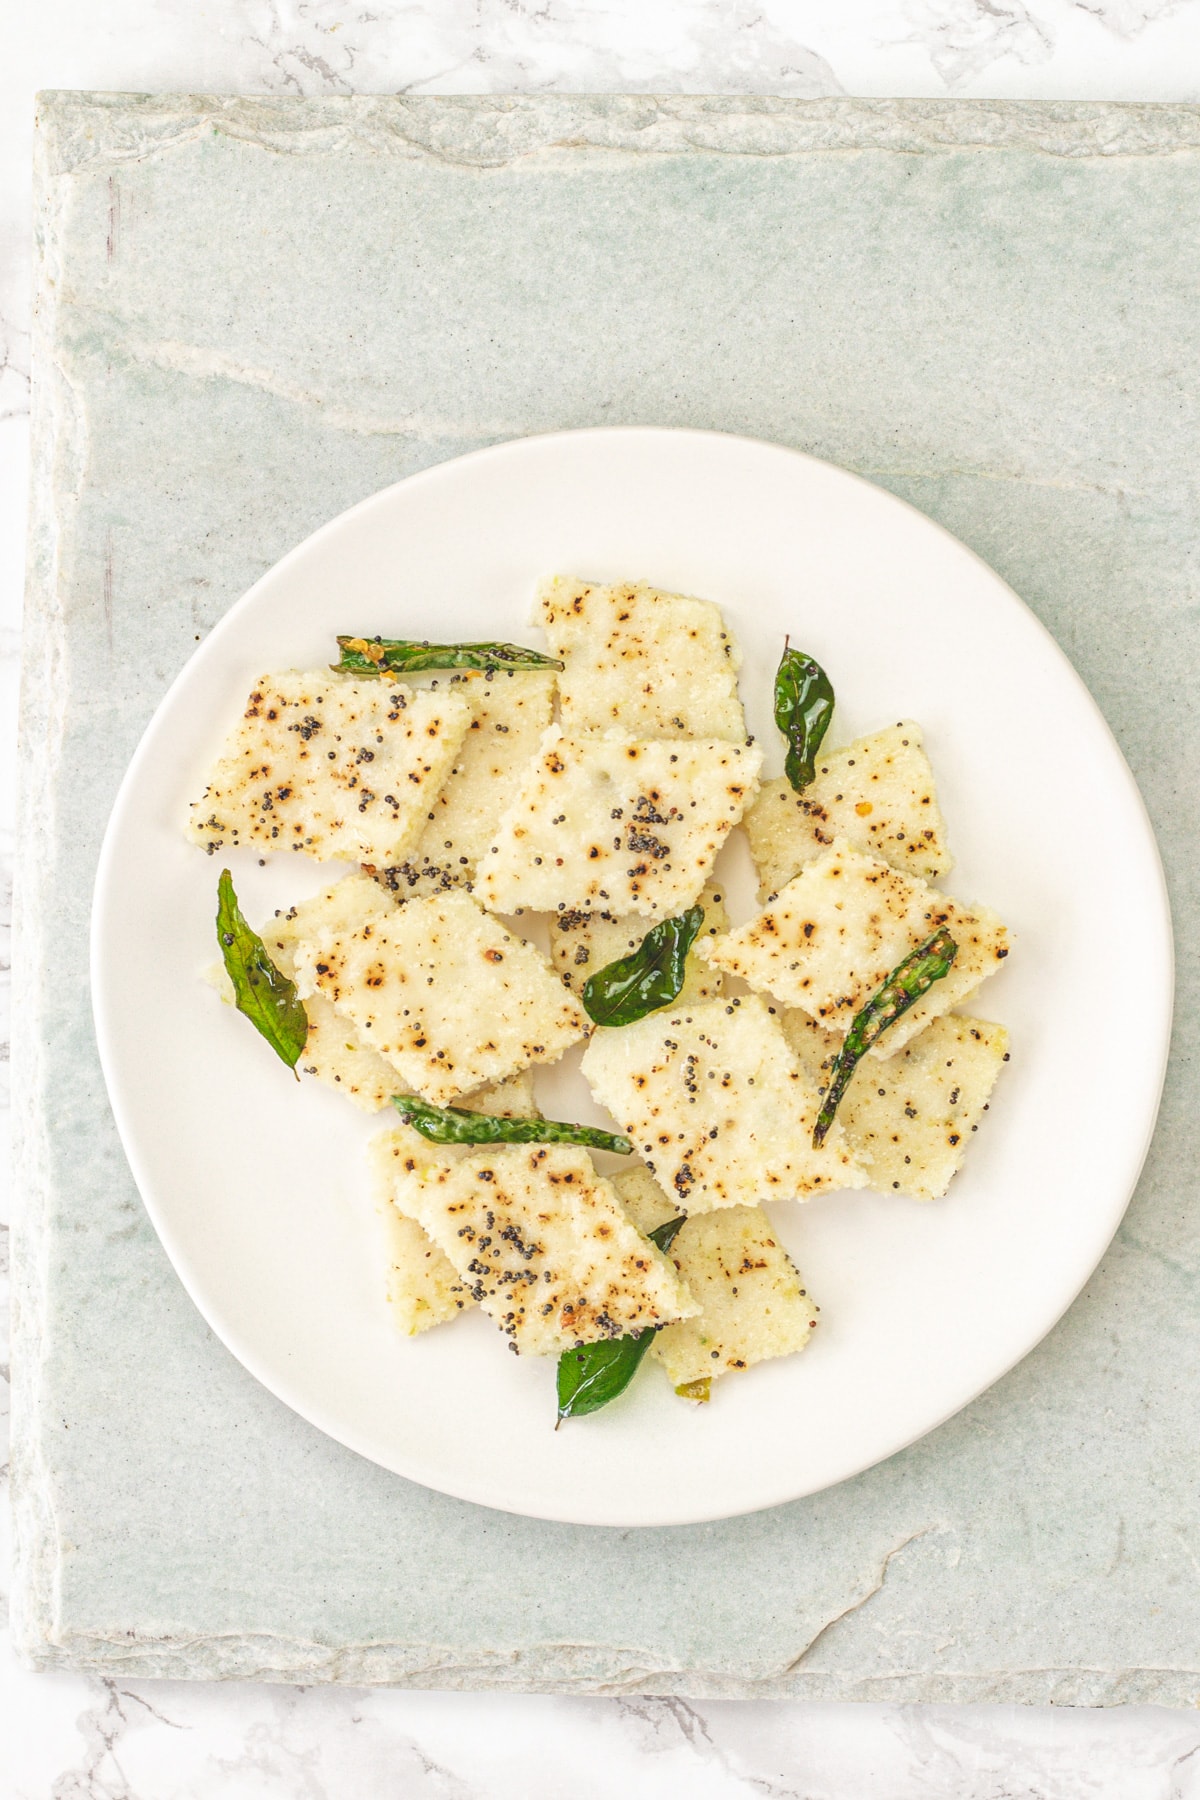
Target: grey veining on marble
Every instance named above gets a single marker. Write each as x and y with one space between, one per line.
252 313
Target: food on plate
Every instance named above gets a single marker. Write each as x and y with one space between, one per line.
331 768
443 992
753 1303
260 991
638 660
593 1375
405 656
423 1288
718 1105
909 1119
539 1240
509 716
456 1125
618 824
582 942
835 933
335 1052
909 982
878 794
803 709
459 795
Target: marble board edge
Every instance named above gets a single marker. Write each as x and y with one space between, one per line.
75 129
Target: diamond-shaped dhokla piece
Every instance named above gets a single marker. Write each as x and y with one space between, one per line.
333 769
718 1105
830 939
618 825
441 990
540 1242
878 793
640 660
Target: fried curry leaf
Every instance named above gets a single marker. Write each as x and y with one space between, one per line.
268 999
454 1125
592 1375
908 981
405 656
803 709
649 977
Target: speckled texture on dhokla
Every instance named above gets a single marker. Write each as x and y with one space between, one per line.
615 824
541 1243
641 661
716 1102
509 712
333 769
879 794
829 940
443 992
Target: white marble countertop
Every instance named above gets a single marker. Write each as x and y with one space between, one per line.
82 1739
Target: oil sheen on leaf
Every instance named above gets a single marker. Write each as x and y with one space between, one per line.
803 709
649 977
268 999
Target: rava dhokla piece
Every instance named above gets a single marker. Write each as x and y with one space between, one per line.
639 660
753 1303
333 769
423 1287
718 1105
618 825
510 710
910 1118
582 943
441 990
833 935
878 794
540 1242
335 1052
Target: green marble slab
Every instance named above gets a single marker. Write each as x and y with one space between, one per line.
252 313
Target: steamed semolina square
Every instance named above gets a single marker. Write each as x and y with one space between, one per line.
510 710
334 769
718 1105
833 935
542 1244
617 825
334 1052
423 1287
443 992
909 1119
878 794
753 1303
638 660
582 943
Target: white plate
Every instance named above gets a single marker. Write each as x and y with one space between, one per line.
257 1185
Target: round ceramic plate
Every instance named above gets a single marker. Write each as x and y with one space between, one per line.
258 1186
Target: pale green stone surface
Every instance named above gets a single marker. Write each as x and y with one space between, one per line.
253 313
